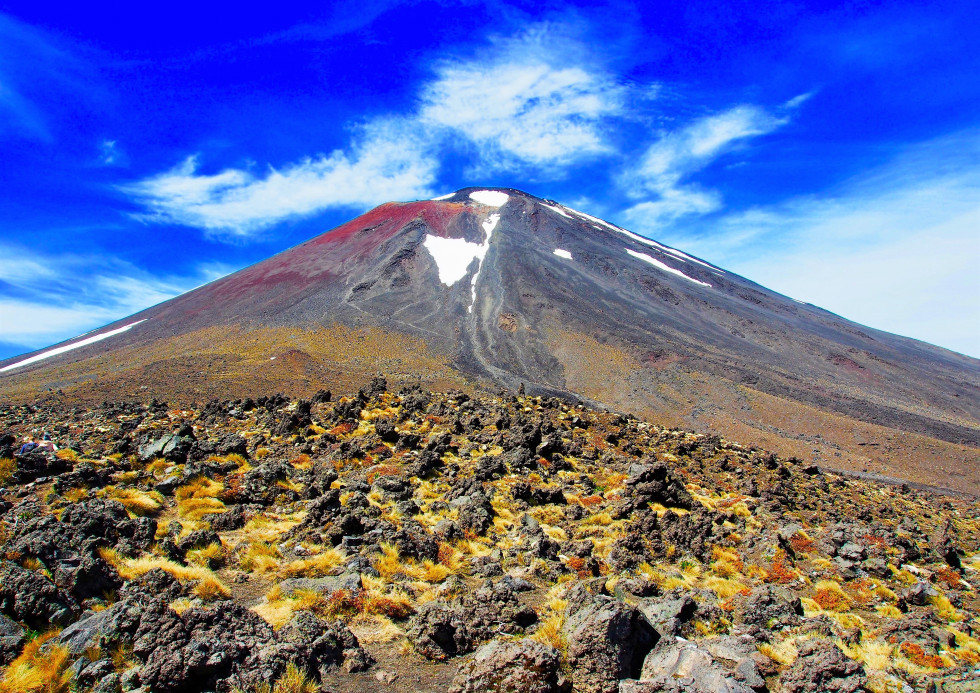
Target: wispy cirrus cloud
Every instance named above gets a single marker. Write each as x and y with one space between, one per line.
389 162
665 169
523 108
525 104
896 248
42 301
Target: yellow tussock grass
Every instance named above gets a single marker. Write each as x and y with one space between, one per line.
268 528
210 556
199 498
259 557
373 629
876 655
945 609
275 612
209 586
179 606
34 671
725 588
390 564
294 680
783 652
136 501
320 564
211 589
549 632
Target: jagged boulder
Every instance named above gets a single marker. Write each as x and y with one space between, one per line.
607 641
679 666
521 666
33 599
440 630
821 667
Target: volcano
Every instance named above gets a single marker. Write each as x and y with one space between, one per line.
495 288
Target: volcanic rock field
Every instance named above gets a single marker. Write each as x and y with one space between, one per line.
396 539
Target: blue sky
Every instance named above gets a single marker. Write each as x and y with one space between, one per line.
831 153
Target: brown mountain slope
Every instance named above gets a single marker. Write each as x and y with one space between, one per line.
486 289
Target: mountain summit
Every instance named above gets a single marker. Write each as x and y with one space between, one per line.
490 288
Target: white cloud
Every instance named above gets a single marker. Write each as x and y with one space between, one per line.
528 103
110 154
391 162
799 100
896 249
43 302
676 155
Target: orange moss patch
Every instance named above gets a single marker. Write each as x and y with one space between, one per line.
779 571
801 543
383 470
831 600
915 654
948 577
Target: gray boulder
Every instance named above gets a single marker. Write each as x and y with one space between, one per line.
607 641
516 666
668 615
822 668
680 666
171 447
11 639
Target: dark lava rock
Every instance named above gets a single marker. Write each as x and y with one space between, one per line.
392 488
171 447
607 641
476 515
33 599
668 615
11 639
441 630
522 666
769 607
37 464
656 483
678 666
195 650
822 668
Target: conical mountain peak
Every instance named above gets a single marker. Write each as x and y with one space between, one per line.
493 287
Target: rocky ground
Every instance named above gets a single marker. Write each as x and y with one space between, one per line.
413 540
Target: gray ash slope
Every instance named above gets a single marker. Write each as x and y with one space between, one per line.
515 311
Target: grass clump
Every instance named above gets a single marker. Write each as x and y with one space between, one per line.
199 498
34 671
210 556
137 502
8 468
208 585
259 557
210 588
550 632
390 565
315 566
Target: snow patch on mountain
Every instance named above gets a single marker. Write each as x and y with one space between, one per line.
563 253
443 197
599 224
489 225
490 198
68 347
453 256
557 210
666 268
